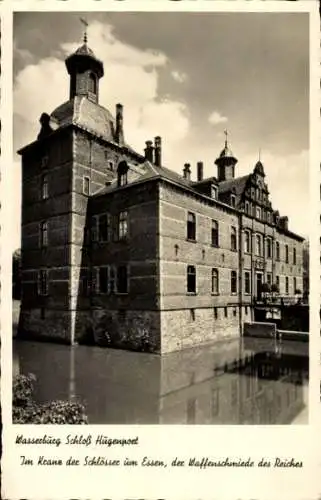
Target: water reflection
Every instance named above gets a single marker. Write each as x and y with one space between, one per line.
247 381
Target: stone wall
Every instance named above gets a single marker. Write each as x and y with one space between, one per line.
126 329
186 328
53 326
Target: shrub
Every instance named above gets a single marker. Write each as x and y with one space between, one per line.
26 411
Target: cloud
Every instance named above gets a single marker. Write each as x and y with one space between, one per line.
215 118
131 77
179 76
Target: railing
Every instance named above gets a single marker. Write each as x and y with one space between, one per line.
278 300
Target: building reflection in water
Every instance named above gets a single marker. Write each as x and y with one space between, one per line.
247 381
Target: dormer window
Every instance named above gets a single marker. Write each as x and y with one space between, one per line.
214 192
122 172
44 161
233 200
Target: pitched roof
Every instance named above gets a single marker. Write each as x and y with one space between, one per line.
238 184
148 171
91 116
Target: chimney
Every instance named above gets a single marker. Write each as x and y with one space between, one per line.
187 171
284 223
149 151
200 172
158 151
119 124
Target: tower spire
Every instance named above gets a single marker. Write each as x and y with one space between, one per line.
85 24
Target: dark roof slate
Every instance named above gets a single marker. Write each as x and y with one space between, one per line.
236 185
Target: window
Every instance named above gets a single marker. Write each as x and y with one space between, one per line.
247 242
123 225
111 166
246 310
258 212
286 254
233 282
247 207
258 245
86 186
294 285
233 238
214 192
225 312
43 234
247 283
277 282
122 279
269 279
215 283
86 282
286 285
294 256
92 84
104 227
44 187
269 248
122 174
191 279
103 280
44 161
233 200
43 282
191 226
268 217
277 250
215 237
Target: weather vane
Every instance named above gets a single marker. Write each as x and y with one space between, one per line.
85 23
226 135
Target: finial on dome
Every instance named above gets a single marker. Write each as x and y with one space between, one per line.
85 23
226 135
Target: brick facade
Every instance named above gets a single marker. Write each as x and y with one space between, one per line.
119 249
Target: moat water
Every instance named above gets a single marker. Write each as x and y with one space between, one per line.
242 381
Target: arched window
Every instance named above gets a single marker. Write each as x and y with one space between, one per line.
258 246
122 173
247 242
215 234
92 84
215 285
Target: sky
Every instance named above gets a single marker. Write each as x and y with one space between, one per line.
186 77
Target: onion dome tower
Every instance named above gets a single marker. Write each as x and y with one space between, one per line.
226 163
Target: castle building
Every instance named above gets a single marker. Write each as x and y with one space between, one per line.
118 248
